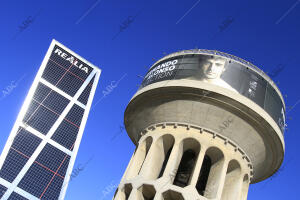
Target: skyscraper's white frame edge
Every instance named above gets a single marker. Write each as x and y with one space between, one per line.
27 101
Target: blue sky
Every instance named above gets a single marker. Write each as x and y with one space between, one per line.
265 33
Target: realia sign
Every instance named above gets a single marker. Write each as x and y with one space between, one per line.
71 59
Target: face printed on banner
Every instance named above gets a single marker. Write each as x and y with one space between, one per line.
213 68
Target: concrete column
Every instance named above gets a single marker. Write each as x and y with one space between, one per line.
128 167
239 188
216 179
158 197
233 185
138 160
245 188
135 195
154 161
198 166
221 180
174 161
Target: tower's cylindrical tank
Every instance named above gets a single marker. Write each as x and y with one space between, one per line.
206 124
217 91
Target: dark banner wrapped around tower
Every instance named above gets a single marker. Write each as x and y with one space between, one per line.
224 73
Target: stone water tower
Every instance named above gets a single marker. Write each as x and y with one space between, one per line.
206 124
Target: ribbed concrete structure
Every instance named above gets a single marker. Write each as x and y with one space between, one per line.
198 139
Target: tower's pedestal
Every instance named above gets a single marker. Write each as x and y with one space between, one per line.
176 161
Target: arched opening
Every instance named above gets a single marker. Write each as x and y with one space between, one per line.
185 168
124 193
165 162
172 195
148 191
168 143
191 149
232 185
127 190
203 176
215 172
